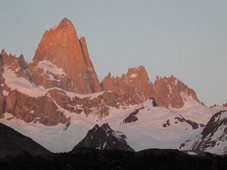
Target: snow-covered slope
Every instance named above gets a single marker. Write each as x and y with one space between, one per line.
26 87
156 127
213 138
159 127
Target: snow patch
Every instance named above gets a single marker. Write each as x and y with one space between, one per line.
223 115
118 135
91 95
191 153
175 82
49 67
5 93
21 84
26 87
133 75
104 145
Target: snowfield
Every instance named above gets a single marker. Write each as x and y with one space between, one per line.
156 127
24 86
147 132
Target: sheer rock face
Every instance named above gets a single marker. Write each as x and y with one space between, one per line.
135 84
169 92
62 60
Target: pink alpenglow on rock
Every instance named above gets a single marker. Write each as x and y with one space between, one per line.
62 60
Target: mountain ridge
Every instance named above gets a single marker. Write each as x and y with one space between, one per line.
59 92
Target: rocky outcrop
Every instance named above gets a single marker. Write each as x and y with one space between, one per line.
135 84
219 106
193 124
132 116
168 92
104 138
62 60
13 143
34 109
212 138
214 135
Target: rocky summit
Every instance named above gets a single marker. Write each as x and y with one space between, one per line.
62 60
135 84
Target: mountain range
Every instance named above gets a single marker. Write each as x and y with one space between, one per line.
59 102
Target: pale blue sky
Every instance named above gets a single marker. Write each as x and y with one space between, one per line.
185 38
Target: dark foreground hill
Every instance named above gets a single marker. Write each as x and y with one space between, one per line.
14 143
89 159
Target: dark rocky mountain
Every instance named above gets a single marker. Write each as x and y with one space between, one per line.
14 143
104 138
213 137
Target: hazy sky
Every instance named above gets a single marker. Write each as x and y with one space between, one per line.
185 38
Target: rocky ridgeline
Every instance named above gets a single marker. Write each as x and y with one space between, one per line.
62 65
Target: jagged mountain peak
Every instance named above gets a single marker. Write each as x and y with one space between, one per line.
139 71
13 63
61 49
105 126
170 79
64 24
135 84
170 92
3 51
65 21
103 138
